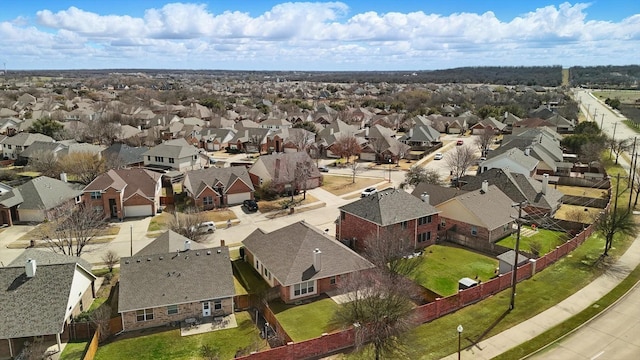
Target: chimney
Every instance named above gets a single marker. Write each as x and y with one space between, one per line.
425 197
317 259
63 177
30 268
187 245
527 151
276 171
222 242
545 183
485 186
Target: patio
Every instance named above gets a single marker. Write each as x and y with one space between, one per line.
194 326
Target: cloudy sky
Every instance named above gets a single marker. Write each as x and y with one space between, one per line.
341 35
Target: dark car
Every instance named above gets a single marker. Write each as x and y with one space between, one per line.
250 205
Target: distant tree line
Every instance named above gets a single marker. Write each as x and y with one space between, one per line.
622 77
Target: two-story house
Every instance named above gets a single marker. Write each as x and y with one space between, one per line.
388 212
12 146
176 154
210 188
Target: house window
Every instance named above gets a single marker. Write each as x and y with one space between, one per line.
257 264
333 280
425 236
217 304
266 272
172 309
159 159
78 199
144 315
9 146
343 215
424 220
95 195
404 224
207 200
172 160
304 288
149 158
474 230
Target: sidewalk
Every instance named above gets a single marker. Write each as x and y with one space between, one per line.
555 315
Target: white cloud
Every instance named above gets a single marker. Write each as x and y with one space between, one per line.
307 35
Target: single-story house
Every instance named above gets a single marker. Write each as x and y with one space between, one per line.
210 188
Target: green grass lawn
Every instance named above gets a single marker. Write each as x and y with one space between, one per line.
74 350
442 266
306 321
248 277
548 240
170 345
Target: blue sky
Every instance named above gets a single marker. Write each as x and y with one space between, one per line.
341 35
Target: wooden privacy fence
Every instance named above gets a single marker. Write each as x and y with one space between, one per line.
93 347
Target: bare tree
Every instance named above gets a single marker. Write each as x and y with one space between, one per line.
379 145
70 228
591 152
45 163
187 224
110 259
101 317
347 147
301 176
619 146
418 174
83 166
388 248
301 138
459 160
380 310
484 140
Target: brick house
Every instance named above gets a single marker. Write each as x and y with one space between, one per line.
481 216
176 154
390 211
159 285
123 193
213 187
301 261
40 293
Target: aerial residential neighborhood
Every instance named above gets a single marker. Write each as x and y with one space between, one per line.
256 225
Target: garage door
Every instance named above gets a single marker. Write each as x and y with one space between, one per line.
137 210
238 198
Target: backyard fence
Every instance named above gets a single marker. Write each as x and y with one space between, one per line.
93 347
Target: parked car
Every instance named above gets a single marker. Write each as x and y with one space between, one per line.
438 156
459 142
206 227
368 191
323 169
250 205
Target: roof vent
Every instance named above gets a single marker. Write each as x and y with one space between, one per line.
219 251
148 259
197 254
126 261
208 252
138 260
30 268
161 257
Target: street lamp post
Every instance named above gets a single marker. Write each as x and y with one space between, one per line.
131 238
459 339
390 169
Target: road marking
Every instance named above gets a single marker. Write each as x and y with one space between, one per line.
597 355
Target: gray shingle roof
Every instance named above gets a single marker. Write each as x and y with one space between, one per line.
167 242
196 180
148 281
176 148
288 254
34 306
42 193
389 207
48 257
126 154
492 209
437 194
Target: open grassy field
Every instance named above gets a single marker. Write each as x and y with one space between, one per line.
625 96
565 212
442 266
340 185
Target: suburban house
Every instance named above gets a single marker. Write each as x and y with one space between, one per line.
421 136
39 295
290 140
12 146
176 154
512 160
286 171
250 140
124 193
37 200
328 136
394 212
315 263
488 124
540 197
213 187
171 280
481 216
436 194
215 139
381 145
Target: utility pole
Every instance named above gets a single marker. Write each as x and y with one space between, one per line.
631 184
514 277
613 140
601 120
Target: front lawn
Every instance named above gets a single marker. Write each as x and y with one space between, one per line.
305 321
547 239
340 185
161 221
265 206
170 345
442 266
